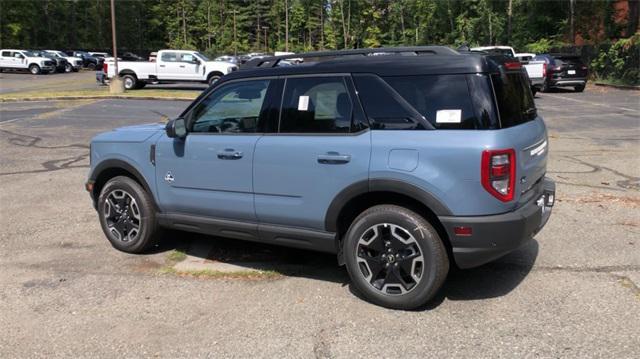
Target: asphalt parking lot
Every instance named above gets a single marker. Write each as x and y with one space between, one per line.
571 292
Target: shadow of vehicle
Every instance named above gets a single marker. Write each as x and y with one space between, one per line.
491 280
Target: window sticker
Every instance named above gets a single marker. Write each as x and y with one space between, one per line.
449 116
303 103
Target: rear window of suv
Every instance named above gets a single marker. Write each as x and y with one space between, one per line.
514 99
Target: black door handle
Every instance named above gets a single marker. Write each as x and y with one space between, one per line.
230 154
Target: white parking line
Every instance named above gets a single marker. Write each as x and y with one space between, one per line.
592 103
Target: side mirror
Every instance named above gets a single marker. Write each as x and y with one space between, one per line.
195 61
176 128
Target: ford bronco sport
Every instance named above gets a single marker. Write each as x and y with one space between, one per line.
402 165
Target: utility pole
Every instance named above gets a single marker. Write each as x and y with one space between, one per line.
235 34
116 85
266 47
286 25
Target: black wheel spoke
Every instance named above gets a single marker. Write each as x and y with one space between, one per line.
120 215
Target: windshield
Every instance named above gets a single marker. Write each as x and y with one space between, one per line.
202 56
514 98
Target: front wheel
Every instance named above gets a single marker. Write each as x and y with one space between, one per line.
127 215
68 68
213 79
394 257
91 66
34 69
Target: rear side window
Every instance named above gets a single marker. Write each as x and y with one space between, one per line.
514 99
443 100
169 57
316 105
6 53
384 109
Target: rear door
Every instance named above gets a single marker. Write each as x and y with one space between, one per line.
320 147
6 59
168 66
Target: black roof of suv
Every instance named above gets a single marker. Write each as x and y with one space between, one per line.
423 60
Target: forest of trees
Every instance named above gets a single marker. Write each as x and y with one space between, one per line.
226 26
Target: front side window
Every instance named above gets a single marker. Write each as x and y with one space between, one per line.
232 108
186 57
316 105
169 57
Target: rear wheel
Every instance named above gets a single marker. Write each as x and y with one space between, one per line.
34 69
91 66
579 88
130 82
394 257
127 215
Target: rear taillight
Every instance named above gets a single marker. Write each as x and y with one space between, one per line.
513 65
544 70
105 67
498 173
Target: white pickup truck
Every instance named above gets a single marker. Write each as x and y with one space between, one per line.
25 60
171 66
535 69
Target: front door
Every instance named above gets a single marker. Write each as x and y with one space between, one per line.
321 147
209 173
188 68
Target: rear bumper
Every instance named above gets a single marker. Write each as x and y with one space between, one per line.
537 82
569 82
494 236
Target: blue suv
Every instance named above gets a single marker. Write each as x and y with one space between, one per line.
403 165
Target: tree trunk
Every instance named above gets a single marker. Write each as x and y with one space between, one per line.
509 18
184 25
344 26
286 25
321 24
634 15
404 36
572 29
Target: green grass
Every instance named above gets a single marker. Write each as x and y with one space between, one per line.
103 92
213 274
612 81
176 255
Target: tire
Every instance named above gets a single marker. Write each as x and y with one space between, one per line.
129 82
34 69
91 66
68 68
534 91
415 252
579 88
127 215
545 87
213 79
76 69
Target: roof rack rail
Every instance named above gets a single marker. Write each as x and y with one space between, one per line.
273 61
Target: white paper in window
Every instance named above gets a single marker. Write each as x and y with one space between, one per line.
303 103
449 116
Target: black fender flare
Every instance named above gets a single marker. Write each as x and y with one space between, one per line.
381 185
109 164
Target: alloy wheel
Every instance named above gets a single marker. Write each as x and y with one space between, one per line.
122 215
390 259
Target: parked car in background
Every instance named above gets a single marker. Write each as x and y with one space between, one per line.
525 56
563 70
343 156
25 60
88 60
130 56
496 50
61 63
170 66
228 58
100 54
74 63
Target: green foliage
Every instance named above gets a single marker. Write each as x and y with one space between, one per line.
543 45
227 26
620 62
